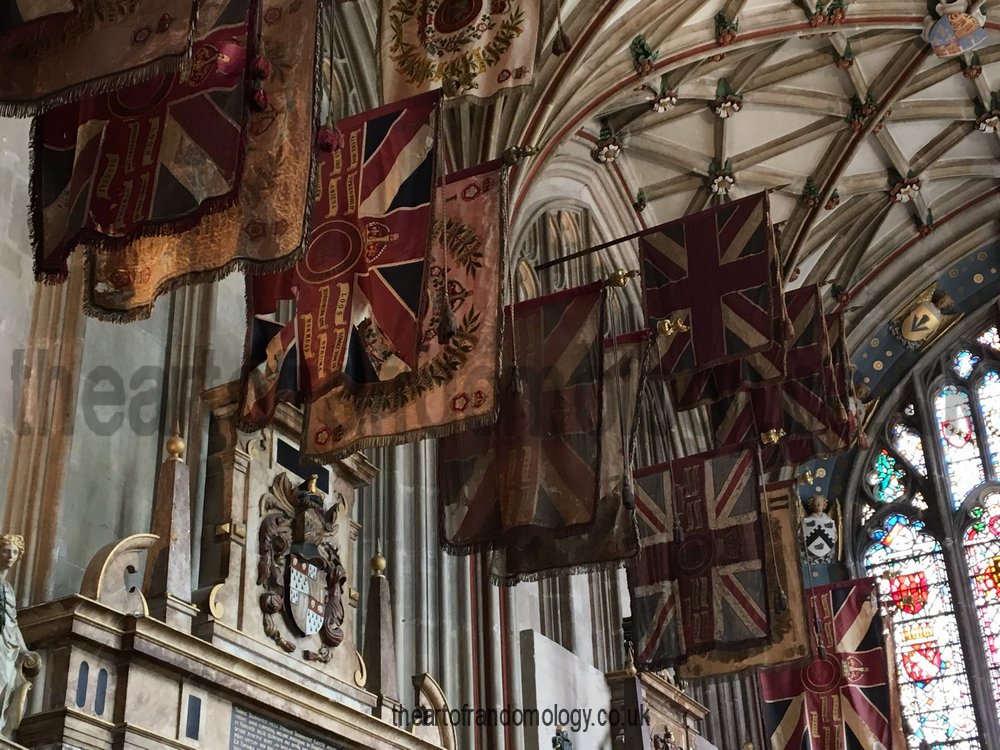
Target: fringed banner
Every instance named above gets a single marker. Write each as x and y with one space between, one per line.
27 21
454 387
97 46
266 229
474 49
790 635
712 279
700 582
146 159
538 466
842 698
529 554
359 287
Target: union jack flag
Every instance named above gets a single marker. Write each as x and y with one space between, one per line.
699 582
117 164
842 698
539 465
358 289
804 355
714 276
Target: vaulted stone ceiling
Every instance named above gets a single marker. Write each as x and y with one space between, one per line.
803 130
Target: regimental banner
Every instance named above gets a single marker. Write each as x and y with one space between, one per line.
714 276
145 158
472 48
24 21
840 699
528 555
539 465
804 416
807 353
97 46
455 383
358 290
700 582
267 226
790 623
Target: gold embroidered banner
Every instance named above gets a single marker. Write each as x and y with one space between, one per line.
454 387
101 46
469 47
266 229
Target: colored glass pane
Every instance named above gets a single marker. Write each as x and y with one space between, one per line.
982 551
991 338
963 363
958 442
886 478
907 443
913 588
988 393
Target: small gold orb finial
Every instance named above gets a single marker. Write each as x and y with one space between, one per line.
175 446
311 487
378 561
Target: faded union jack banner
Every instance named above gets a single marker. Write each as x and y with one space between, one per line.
714 276
841 699
538 467
700 580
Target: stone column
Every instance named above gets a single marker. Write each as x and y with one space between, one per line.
43 431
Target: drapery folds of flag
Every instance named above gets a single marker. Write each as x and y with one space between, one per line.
790 622
841 698
58 51
266 228
538 466
454 387
527 555
473 49
358 289
712 277
147 159
806 415
700 581
804 355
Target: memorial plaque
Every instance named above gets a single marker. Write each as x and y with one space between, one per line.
249 731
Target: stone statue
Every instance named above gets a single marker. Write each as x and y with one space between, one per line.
17 663
819 531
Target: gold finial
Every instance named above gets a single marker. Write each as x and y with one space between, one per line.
620 278
175 444
668 327
379 562
311 487
806 477
772 436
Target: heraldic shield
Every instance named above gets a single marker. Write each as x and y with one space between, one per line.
307 591
299 568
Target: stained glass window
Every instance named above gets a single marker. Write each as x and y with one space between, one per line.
982 551
988 391
913 590
886 479
907 443
958 442
937 561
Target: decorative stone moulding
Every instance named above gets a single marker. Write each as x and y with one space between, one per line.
905 191
721 180
643 56
727 102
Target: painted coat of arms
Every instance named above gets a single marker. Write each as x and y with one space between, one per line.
299 566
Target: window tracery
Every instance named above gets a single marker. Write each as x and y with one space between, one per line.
929 530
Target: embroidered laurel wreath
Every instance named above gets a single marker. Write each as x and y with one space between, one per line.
434 40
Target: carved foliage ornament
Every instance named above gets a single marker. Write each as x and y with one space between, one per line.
299 567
